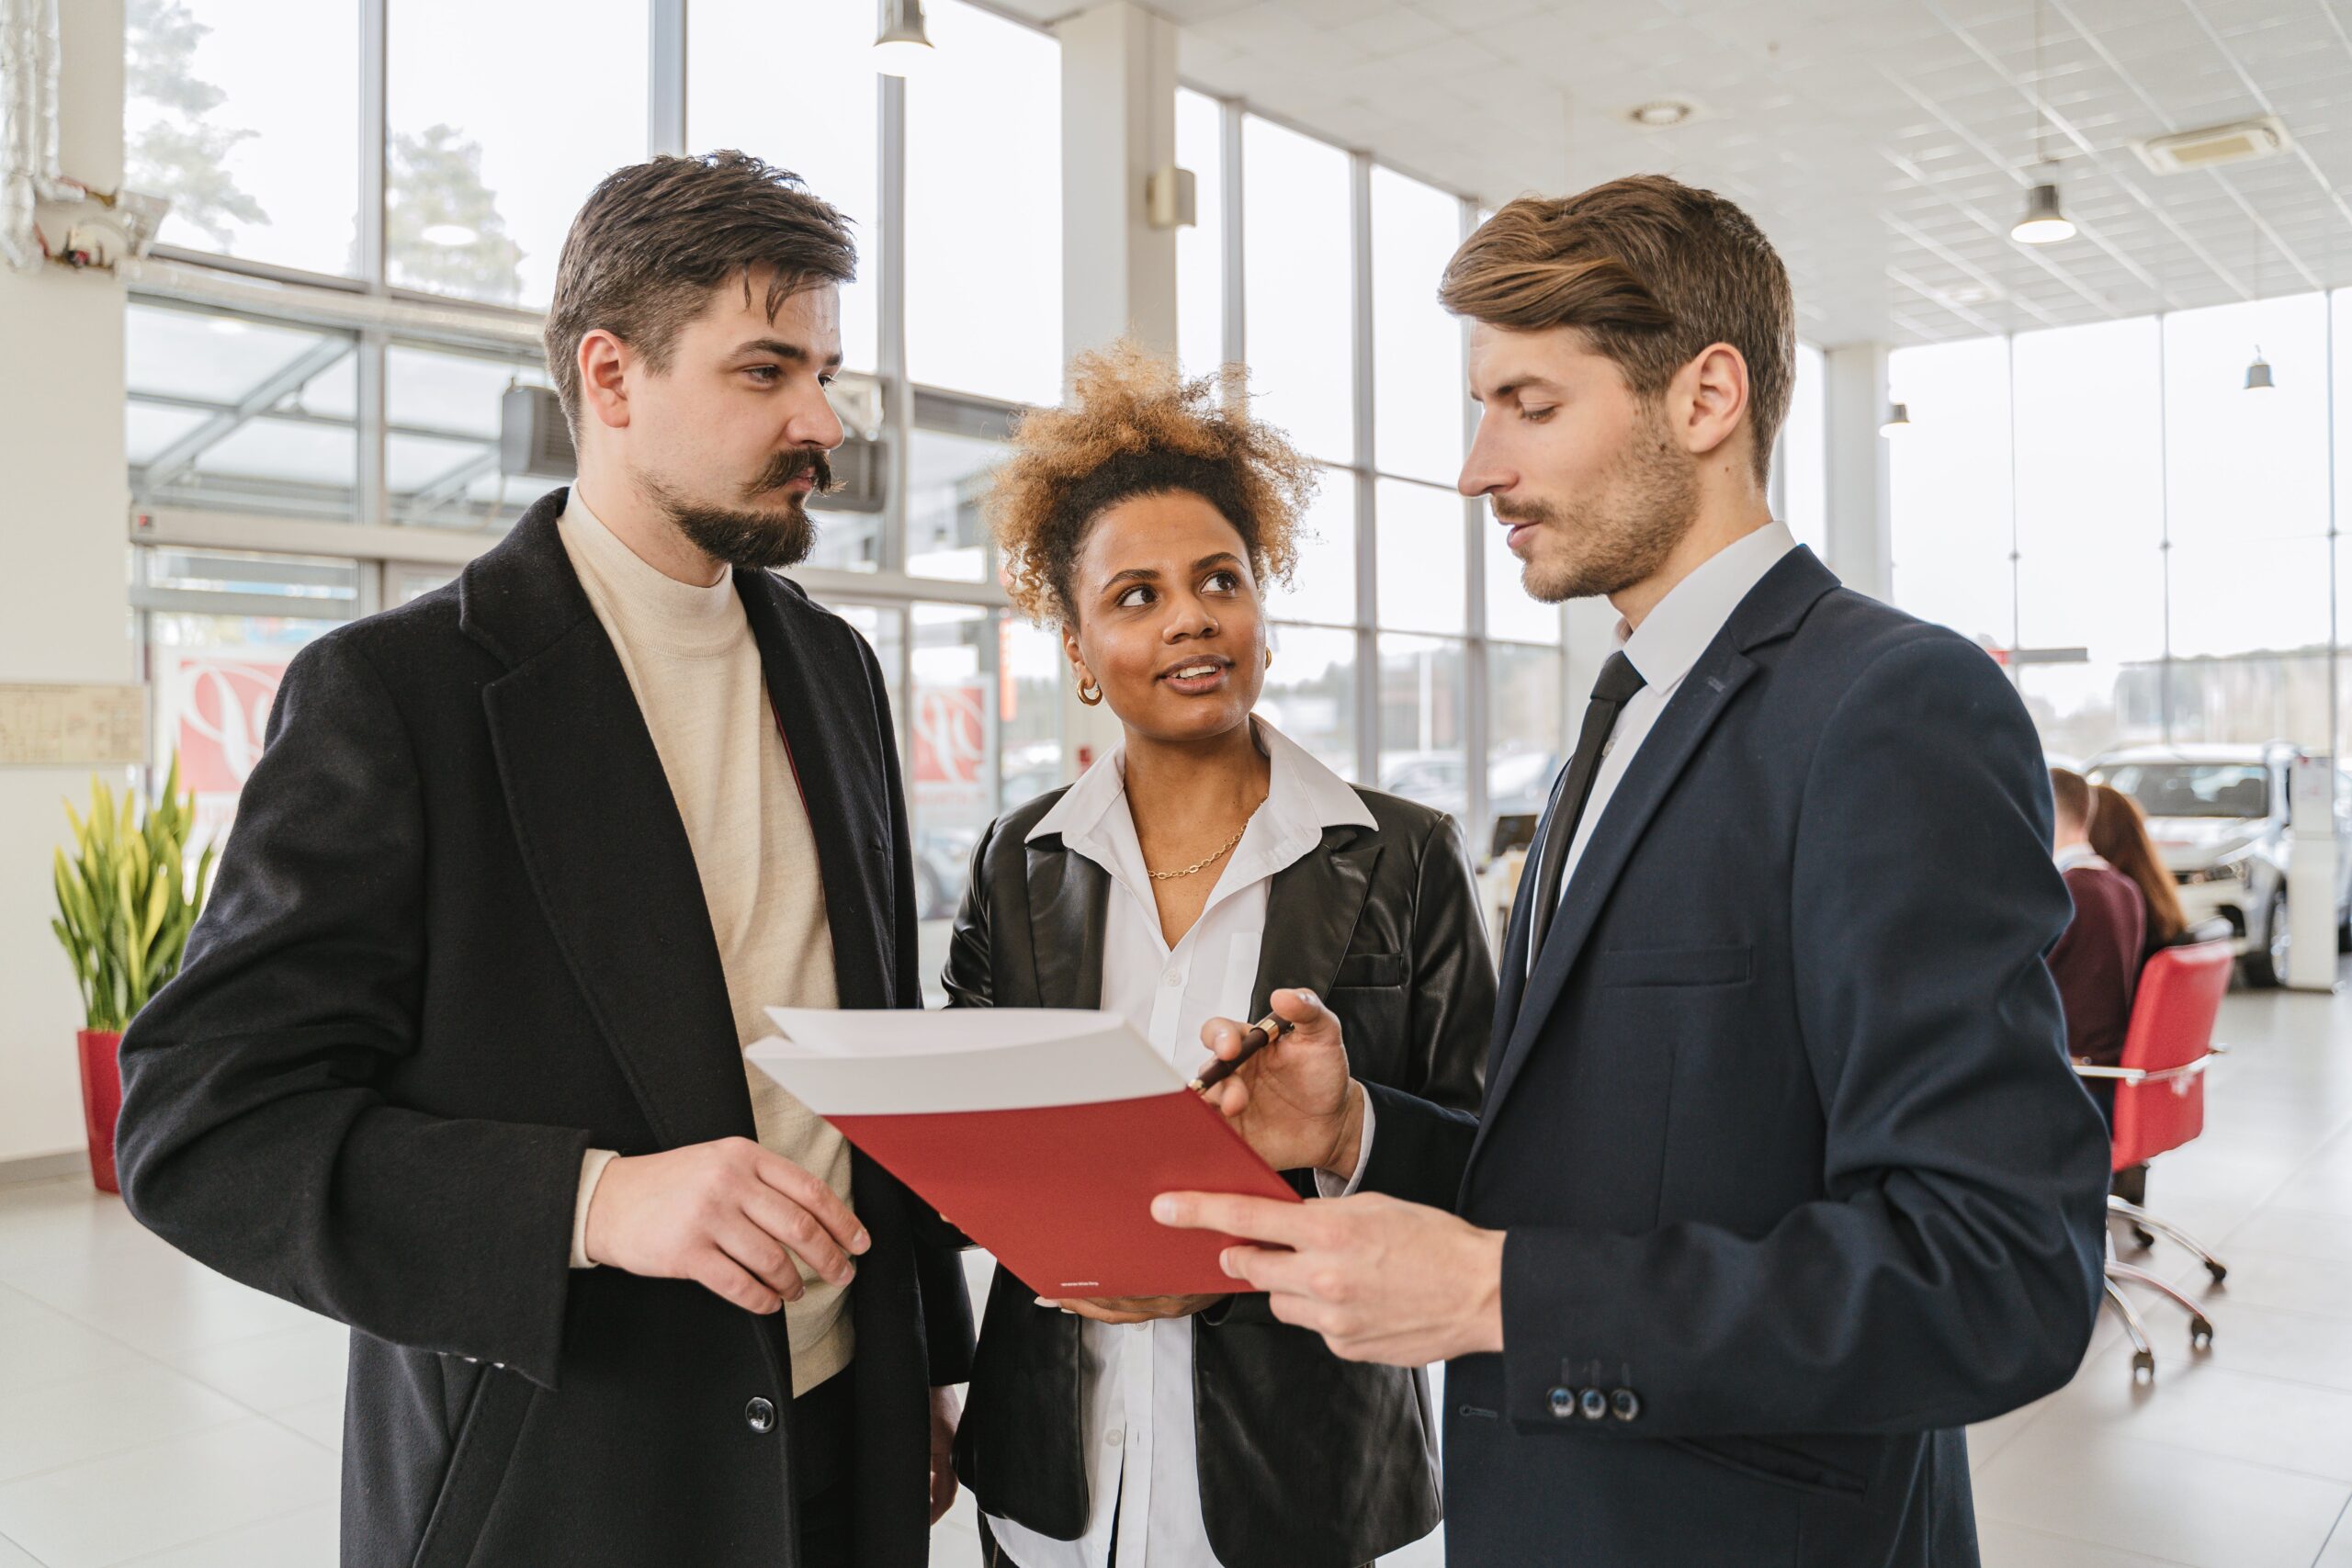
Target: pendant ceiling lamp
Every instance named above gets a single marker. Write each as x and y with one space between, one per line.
2045 221
901 42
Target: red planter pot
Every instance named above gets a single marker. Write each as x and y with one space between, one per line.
101 1100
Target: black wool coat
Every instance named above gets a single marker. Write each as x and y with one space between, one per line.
457 939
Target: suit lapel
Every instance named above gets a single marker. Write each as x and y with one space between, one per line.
601 837
1772 610
1665 752
1312 907
819 689
1069 900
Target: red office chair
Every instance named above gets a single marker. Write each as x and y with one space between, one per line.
2160 1105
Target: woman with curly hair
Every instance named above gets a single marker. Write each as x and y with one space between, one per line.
1207 864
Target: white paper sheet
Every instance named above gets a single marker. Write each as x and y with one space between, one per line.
857 1062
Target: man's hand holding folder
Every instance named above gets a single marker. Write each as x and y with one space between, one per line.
1041 1133
1379 1279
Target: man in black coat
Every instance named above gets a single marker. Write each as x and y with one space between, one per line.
456 1055
1782 1178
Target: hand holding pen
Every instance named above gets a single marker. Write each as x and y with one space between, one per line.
1283 1084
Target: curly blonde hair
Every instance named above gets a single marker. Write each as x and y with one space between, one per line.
1133 427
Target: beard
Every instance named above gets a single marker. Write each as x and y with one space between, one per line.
1622 534
760 538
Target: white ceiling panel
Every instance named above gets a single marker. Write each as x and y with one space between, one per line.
1886 145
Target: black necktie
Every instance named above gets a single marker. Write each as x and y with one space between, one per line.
1619 680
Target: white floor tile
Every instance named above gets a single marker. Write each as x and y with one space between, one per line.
2338 1551
45 1347
165 1494
155 1301
64 1423
2158 1501
310 1539
2199 1402
2276 1227
15 1556
2002 1545
276 1372
320 1420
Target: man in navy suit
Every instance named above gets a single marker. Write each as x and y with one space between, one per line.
1782 1178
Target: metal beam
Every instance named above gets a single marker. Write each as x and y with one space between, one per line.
450 485
665 97
179 456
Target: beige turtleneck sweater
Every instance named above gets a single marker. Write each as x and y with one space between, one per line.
695 670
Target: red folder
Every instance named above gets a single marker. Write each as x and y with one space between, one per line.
1043 1134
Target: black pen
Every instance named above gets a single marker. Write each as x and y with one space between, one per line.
1261 1034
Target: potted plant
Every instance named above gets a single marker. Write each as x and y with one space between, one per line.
125 907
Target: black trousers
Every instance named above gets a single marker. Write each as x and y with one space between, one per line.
824 1428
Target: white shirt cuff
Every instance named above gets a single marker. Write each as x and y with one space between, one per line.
592 1170
1327 1185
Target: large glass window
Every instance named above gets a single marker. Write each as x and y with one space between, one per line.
2171 572
248 125
1419 397
822 129
984 208
1323 584
1525 728
442 463
947 483
1424 721
1299 283
1951 526
1200 250
1424 561
1310 693
213 673
500 117
237 414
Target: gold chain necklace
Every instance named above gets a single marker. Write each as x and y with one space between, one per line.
1201 865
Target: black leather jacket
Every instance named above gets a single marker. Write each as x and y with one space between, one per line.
1306 1460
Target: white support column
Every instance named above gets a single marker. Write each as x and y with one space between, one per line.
64 601
1118 125
1862 507
1118 272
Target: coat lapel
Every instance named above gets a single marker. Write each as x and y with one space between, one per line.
1772 610
601 837
1312 907
1070 899
818 688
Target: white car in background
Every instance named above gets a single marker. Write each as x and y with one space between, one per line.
2217 814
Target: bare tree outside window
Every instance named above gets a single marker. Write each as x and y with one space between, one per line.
173 149
442 227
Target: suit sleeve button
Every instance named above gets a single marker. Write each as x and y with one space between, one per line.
1625 1404
1564 1403
760 1416
1592 1404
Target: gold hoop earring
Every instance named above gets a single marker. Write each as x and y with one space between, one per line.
1088 686
1270 659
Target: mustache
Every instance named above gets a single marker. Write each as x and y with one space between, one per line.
793 463
1522 511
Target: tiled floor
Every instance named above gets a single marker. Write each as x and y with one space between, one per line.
154 1414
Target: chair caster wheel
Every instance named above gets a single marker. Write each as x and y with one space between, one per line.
2144 1366
2219 1273
2141 1239
2201 1334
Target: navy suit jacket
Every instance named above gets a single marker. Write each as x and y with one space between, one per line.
1796 1180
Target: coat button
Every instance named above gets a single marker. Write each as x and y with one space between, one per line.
760 1416
1625 1404
1564 1403
1592 1404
